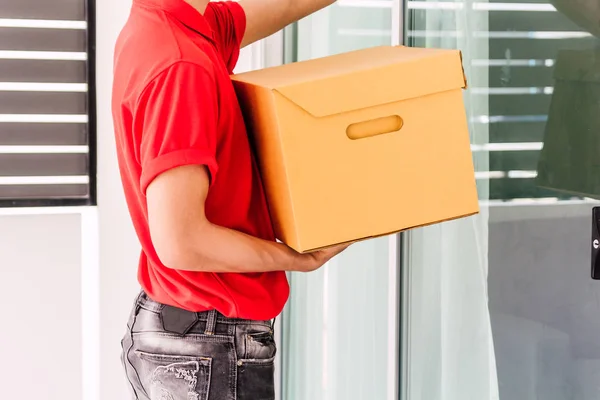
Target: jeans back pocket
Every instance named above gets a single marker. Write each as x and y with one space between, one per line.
175 377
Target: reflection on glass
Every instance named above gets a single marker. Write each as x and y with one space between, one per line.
569 161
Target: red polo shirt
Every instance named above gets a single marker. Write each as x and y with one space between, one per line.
173 105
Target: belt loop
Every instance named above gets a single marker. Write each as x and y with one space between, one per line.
134 310
211 322
139 297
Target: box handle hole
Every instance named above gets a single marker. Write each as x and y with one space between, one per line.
374 127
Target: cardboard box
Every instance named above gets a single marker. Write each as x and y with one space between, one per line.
361 144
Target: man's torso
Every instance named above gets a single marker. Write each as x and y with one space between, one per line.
155 38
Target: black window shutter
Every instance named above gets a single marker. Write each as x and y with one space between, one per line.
47 103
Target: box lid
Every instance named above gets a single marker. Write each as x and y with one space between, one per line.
363 78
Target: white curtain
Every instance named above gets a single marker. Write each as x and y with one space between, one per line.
336 329
449 343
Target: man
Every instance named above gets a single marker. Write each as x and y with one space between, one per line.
213 277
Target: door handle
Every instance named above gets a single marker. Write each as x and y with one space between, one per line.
595 243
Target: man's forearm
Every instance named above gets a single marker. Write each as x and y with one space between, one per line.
213 248
303 8
265 17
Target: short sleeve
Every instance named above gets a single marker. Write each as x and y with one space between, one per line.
228 22
176 117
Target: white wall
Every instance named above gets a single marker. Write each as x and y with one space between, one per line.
118 245
41 319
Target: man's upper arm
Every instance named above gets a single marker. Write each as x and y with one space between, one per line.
176 126
175 121
266 17
175 202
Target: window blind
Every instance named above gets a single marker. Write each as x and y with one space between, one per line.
47 105
524 38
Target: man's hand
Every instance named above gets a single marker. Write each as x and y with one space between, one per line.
265 17
185 240
319 258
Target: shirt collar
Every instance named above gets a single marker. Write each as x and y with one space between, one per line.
183 12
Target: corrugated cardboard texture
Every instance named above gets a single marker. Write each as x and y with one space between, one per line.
335 165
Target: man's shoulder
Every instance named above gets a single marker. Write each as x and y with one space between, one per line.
148 47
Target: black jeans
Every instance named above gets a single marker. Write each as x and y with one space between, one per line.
173 354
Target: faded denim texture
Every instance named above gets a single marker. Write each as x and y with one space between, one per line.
173 354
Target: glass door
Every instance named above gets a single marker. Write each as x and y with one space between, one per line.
501 305
340 338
